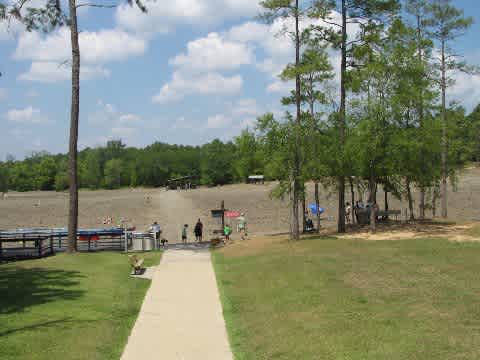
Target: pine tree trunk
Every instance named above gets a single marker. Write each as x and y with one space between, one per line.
410 199
444 136
434 203
421 206
385 194
373 202
74 115
421 114
295 215
296 230
352 194
317 203
342 120
304 212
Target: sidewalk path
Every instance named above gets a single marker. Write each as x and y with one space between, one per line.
181 316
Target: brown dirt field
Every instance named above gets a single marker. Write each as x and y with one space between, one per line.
265 216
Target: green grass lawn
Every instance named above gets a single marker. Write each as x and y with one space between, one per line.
345 299
65 307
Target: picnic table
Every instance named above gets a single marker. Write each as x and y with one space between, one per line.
363 215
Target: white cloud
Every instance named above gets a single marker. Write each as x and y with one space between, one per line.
279 86
204 84
238 116
162 18
28 115
466 90
95 47
50 72
276 45
3 93
245 107
49 52
110 123
9 30
129 118
198 70
107 114
218 121
213 52
181 123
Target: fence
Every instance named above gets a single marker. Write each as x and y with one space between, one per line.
25 246
92 240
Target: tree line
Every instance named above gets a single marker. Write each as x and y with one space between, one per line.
115 165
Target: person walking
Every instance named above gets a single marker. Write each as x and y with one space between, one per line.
198 231
348 212
184 233
156 230
242 226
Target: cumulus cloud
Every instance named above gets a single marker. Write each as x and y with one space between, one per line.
203 84
50 72
28 115
95 47
198 70
163 19
245 107
110 123
49 52
466 90
107 114
238 116
274 41
213 52
218 121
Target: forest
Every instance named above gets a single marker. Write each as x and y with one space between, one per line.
217 163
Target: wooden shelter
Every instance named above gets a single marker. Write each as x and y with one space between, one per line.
183 183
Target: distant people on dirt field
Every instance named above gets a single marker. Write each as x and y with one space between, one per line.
184 233
242 226
227 230
198 231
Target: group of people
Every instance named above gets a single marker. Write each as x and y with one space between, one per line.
359 205
198 230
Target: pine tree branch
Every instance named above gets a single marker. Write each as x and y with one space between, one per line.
110 6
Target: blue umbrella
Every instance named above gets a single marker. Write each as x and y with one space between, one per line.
313 209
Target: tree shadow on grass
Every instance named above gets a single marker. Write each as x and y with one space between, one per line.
22 288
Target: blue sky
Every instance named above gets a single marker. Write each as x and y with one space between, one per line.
187 73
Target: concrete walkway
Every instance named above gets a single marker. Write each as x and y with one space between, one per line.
181 316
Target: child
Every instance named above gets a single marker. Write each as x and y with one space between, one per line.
184 233
227 230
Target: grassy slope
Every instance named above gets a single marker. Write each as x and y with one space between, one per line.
69 307
338 299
